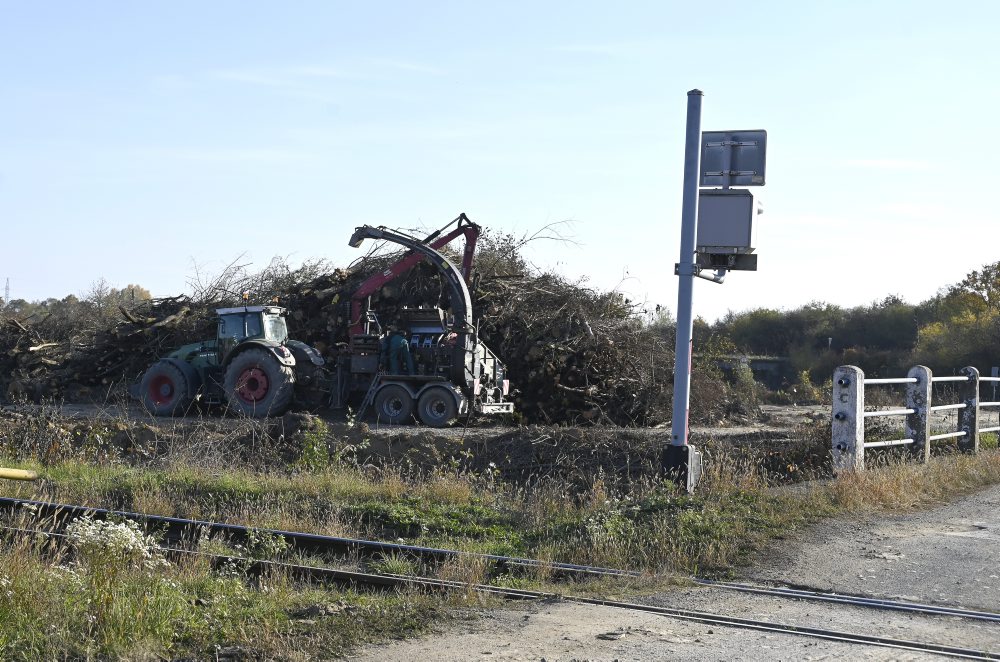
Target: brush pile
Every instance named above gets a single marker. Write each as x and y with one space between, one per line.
575 355
91 362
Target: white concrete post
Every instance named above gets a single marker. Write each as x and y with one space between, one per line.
848 421
968 420
918 424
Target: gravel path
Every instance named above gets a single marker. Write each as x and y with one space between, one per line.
945 555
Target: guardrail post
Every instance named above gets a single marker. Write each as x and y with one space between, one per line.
848 418
918 424
968 420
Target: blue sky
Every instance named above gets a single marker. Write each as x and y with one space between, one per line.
140 139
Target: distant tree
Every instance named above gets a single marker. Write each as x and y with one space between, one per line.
965 339
101 306
962 323
133 294
890 324
62 319
980 289
17 306
761 331
663 324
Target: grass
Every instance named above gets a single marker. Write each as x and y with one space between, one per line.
186 609
99 604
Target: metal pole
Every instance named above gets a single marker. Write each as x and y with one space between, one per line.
686 271
678 457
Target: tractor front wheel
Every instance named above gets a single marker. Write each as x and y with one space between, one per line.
258 385
164 390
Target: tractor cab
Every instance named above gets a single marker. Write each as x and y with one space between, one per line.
250 323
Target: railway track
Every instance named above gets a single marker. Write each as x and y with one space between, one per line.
854 600
176 528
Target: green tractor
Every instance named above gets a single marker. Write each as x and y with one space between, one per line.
251 365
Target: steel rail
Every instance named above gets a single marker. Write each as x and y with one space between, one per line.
957 378
858 600
800 630
354 578
891 380
176 528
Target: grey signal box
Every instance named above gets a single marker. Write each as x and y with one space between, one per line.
726 221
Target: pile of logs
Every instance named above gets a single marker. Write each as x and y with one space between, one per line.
575 355
92 361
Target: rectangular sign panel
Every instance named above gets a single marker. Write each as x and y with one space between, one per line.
733 158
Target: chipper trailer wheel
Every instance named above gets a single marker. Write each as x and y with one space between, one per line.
393 405
436 407
164 390
258 385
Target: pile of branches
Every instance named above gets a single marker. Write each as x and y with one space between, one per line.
90 362
574 355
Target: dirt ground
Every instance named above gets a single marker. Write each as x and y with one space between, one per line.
942 556
789 441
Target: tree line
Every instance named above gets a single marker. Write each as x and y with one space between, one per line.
61 319
957 327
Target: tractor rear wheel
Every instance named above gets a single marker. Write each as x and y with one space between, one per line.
258 385
437 407
393 405
164 390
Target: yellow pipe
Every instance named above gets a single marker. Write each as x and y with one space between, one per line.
18 474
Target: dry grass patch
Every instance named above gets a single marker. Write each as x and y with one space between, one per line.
900 485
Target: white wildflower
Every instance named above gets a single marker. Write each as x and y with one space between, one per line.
99 541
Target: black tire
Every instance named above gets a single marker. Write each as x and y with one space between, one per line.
258 385
393 405
164 391
436 407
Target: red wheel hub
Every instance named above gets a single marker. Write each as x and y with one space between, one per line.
252 386
161 389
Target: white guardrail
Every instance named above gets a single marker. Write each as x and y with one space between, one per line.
849 413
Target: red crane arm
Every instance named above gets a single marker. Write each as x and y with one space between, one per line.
395 270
